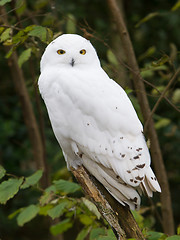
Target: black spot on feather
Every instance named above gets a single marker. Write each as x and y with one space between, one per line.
139 178
134 199
138 149
141 165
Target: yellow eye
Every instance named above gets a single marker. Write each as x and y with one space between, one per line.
83 52
61 51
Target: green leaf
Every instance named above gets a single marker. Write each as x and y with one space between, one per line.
86 220
139 219
161 61
48 195
9 53
155 235
58 210
158 89
66 186
40 32
40 4
147 18
82 235
178 230
96 232
9 188
71 24
176 96
27 214
149 70
162 123
2 172
25 55
12 215
5 35
20 7
44 210
61 227
112 58
175 237
3 2
176 6
111 234
91 207
20 37
32 180
106 238
149 52
1 29
49 36
46 198
50 189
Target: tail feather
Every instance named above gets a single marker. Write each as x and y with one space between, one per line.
152 181
123 193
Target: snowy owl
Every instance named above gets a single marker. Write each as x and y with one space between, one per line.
94 121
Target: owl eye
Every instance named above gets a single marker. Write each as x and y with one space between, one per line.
83 52
61 51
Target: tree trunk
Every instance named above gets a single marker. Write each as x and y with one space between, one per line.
167 215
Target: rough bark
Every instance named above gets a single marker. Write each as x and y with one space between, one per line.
167 215
119 217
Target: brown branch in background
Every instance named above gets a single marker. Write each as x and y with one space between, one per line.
160 98
166 206
38 105
27 109
119 217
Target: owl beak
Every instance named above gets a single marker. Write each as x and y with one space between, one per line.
72 62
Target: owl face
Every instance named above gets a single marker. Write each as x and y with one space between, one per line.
70 51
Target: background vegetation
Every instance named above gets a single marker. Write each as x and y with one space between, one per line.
27 144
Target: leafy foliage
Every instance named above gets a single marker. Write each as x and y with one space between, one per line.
32 180
27 214
9 188
30 26
57 204
66 187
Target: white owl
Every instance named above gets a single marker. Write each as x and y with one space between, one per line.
94 120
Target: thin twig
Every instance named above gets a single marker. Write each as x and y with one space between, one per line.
153 86
160 98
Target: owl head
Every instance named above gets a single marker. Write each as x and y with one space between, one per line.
69 51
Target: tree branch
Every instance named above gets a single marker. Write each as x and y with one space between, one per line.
119 217
167 215
170 103
160 98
